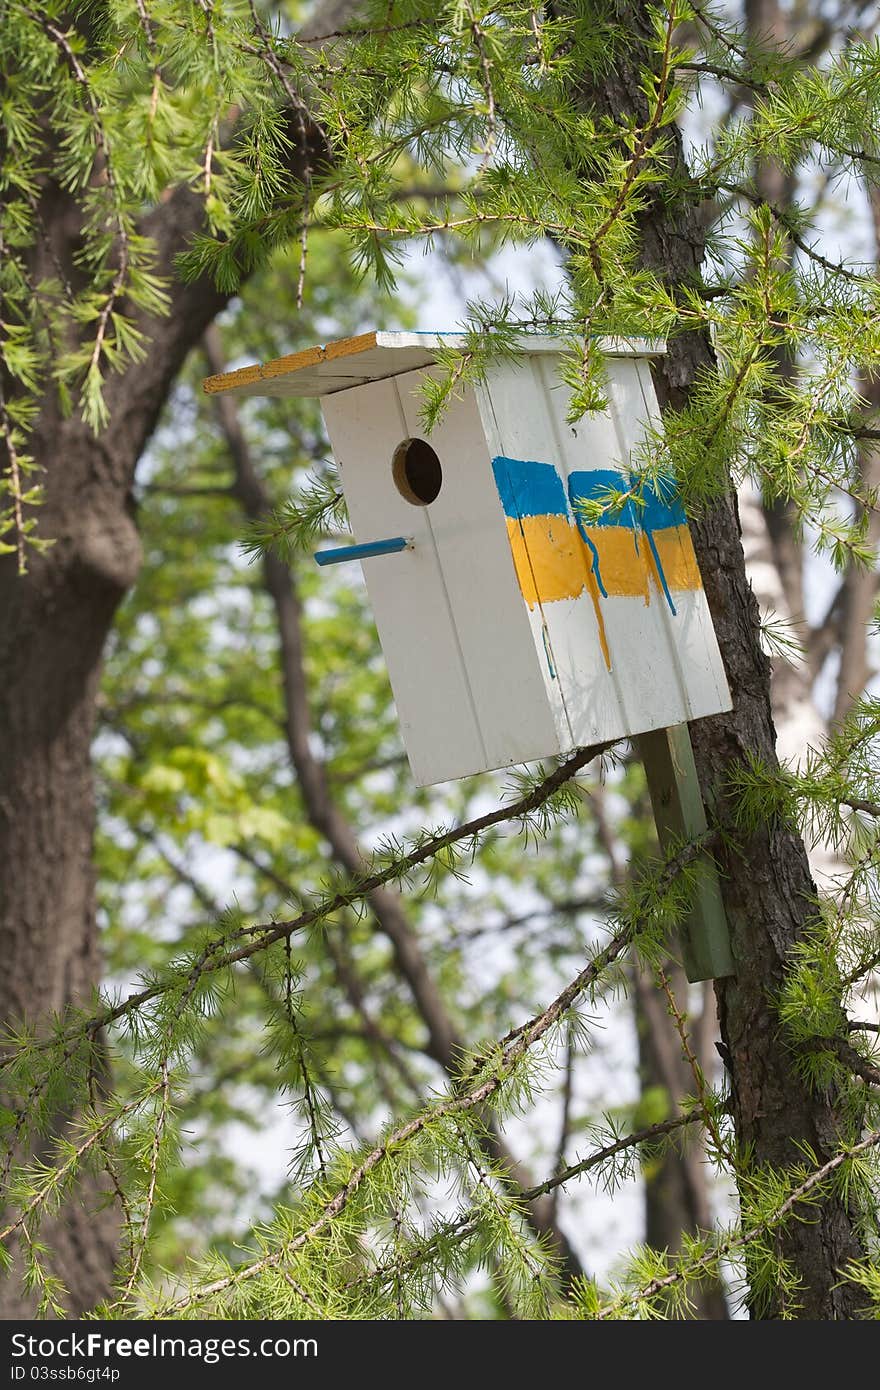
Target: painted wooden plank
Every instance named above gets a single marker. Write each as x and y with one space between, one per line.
529 420
678 646
624 663
434 703
685 638
663 668
584 627
679 815
491 621
279 366
693 635
637 664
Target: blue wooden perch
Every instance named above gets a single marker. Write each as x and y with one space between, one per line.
362 552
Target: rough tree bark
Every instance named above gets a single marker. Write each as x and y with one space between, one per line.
767 889
53 626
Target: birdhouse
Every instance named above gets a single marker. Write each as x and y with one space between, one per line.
516 624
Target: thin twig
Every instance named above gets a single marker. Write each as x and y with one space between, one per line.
15 488
850 1058
461 1103
301 1293
150 1199
299 1048
55 1179
110 1170
643 145
681 1029
467 1222
565 1118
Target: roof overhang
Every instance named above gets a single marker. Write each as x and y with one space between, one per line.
323 370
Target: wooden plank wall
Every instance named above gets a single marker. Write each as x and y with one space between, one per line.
512 635
625 663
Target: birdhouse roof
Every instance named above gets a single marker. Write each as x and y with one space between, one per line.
331 367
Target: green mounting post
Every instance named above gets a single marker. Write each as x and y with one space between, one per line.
679 814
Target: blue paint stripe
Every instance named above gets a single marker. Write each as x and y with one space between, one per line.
595 487
663 507
529 488
595 565
658 562
657 508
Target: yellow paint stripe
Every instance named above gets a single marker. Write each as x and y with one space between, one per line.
524 576
676 551
286 366
621 562
553 562
548 558
562 563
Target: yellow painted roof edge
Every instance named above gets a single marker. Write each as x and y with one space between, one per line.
362 342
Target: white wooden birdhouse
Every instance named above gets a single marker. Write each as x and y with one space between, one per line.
513 626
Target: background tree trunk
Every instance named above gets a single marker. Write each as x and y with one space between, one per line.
53 625
677 1200
676 1183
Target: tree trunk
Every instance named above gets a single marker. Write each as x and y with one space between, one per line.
54 622
860 587
767 889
